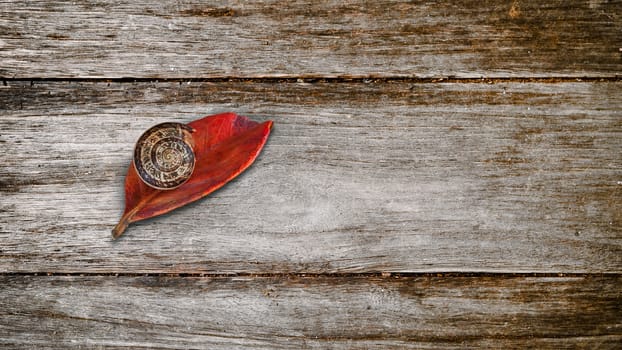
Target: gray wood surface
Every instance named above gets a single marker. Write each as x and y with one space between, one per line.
310 313
509 177
163 39
500 171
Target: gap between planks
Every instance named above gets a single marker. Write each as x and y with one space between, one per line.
327 79
395 275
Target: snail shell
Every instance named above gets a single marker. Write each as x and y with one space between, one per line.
164 156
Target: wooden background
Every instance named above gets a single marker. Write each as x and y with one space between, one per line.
440 175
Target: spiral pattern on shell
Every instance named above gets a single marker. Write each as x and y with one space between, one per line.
164 157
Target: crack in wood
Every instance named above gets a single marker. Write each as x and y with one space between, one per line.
310 79
385 275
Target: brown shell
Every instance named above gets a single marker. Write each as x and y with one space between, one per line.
164 156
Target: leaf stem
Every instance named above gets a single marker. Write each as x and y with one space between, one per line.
118 230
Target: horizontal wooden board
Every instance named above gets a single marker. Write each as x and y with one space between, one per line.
355 178
310 313
174 38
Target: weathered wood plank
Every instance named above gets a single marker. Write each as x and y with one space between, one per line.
356 177
463 38
301 313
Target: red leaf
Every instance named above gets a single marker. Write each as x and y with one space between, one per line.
224 146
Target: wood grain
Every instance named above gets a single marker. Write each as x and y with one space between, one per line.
162 39
310 313
509 177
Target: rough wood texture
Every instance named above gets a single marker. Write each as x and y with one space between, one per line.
310 313
360 175
355 178
274 38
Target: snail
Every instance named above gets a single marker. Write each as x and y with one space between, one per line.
164 155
